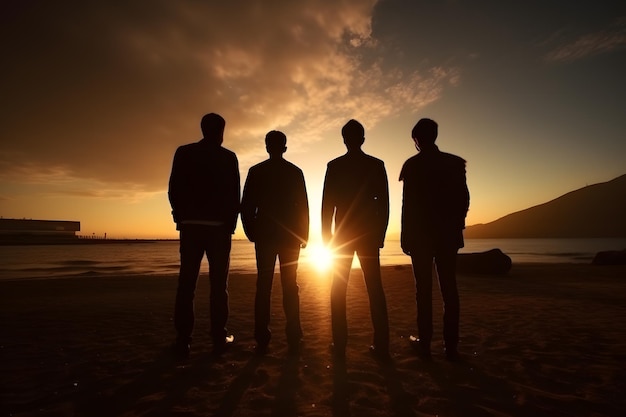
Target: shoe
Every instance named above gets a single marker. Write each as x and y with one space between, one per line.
421 347
380 353
220 347
181 350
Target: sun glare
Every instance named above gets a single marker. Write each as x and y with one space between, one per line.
320 257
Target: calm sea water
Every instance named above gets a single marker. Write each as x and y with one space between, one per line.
161 258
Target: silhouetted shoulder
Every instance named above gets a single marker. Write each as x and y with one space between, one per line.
190 147
336 161
186 149
270 165
359 158
408 166
227 153
374 161
454 159
199 148
258 166
370 159
439 160
292 166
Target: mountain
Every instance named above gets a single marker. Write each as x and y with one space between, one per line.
597 210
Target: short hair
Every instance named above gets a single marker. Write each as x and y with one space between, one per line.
275 139
425 130
353 130
212 125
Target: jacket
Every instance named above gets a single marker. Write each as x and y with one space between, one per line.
204 185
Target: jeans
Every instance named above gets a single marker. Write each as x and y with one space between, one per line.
196 241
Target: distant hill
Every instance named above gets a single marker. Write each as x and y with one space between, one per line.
597 210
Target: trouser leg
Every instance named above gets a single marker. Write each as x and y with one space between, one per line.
422 271
370 263
265 259
446 271
291 299
218 254
191 254
338 300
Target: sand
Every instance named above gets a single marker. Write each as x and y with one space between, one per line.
544 340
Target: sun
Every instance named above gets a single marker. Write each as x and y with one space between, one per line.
319 257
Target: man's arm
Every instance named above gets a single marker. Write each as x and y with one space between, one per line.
407 227
303 207
175 185
248 207
465 195
235 194
328 208
383 204
460 193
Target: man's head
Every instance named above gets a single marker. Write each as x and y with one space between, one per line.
353 135
212 126
425 133
275 143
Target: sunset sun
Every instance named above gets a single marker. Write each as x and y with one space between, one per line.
320 257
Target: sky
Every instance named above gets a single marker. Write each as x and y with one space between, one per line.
97 96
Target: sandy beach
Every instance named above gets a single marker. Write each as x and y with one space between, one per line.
544 340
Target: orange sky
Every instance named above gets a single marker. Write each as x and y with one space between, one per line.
96 98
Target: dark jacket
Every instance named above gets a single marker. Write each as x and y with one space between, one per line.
435 200
356 197
204 185
274 206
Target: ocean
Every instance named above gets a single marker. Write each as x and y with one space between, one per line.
162 258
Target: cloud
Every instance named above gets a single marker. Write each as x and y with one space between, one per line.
591 44
105 93
59 181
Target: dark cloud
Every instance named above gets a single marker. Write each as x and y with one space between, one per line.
106 91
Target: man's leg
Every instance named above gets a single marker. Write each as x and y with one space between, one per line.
446 271
265 261
422 271
288 257
218 254
342 263
370 263
191 253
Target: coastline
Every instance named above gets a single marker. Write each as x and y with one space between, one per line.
544 340
79 241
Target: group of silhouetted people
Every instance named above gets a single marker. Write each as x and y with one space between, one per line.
204 192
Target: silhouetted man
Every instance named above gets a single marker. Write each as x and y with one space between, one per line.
434 206
275 216
356 200
204 194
